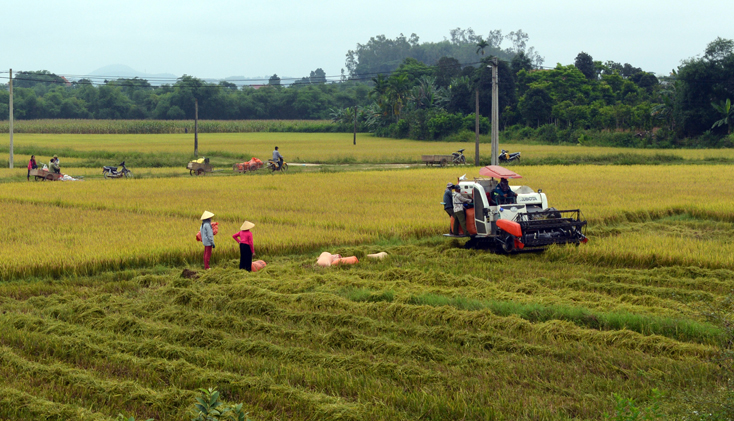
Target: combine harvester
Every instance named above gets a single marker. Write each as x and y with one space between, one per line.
526 223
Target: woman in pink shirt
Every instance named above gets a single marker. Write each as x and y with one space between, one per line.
31 166
247 248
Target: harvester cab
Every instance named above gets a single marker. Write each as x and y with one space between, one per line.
522 222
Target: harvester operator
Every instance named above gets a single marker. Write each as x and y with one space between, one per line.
503 194
277 157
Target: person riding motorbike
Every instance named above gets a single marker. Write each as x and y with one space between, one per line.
278 158
503 194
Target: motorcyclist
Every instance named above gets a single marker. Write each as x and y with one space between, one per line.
277 158
503 194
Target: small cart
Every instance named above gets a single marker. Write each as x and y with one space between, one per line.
199 168
441 160
40 174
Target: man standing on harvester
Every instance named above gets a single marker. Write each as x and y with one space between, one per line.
277 157
459 215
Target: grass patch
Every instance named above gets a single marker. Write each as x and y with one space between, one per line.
682 330
366 295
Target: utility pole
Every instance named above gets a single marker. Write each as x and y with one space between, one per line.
10 117
476 127
355 124
196 127
495 112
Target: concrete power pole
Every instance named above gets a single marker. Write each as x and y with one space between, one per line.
196 128
495 112
476 126
10 116
355 124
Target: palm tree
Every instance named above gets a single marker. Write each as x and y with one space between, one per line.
666 109
481 45
727 112
397 92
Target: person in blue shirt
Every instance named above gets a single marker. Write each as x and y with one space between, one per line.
448 204
277 157
503 194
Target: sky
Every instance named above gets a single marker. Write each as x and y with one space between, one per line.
222 38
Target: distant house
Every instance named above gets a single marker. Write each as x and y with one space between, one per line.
66 81
258 86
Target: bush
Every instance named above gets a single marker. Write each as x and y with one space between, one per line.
470 124
547 133
444 124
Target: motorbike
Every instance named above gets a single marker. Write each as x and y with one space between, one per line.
458 157
116 172
273 166
509 157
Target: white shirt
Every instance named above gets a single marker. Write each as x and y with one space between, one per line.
459 200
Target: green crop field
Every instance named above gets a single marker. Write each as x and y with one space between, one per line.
98 318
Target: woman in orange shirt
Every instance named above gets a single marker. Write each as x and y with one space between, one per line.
247 247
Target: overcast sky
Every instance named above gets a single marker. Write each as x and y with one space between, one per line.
221 38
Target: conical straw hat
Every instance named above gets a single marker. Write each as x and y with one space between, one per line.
246 226
206 215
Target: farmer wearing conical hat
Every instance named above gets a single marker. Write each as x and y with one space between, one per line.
207 236
247 247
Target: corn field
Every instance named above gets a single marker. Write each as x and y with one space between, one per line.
60 126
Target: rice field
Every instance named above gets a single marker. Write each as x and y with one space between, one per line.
98 320
331 148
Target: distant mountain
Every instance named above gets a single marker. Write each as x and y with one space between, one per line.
117 71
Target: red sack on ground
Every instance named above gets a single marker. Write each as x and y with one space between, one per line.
258 265
351 260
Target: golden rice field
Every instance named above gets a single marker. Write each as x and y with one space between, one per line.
303 212
97 320
322 147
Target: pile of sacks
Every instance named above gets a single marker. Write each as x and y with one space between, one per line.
327 259
250 165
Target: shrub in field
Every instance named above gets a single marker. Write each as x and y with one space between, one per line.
209 407
627 409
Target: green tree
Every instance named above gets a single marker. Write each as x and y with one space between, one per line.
481 45
446 69
703 81
585 63
274 80
521 62
727 114
536 106
317 76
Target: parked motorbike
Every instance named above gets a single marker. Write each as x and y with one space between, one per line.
273 166
116 172
509 157
458 157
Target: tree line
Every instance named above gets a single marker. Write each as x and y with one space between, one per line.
403 88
